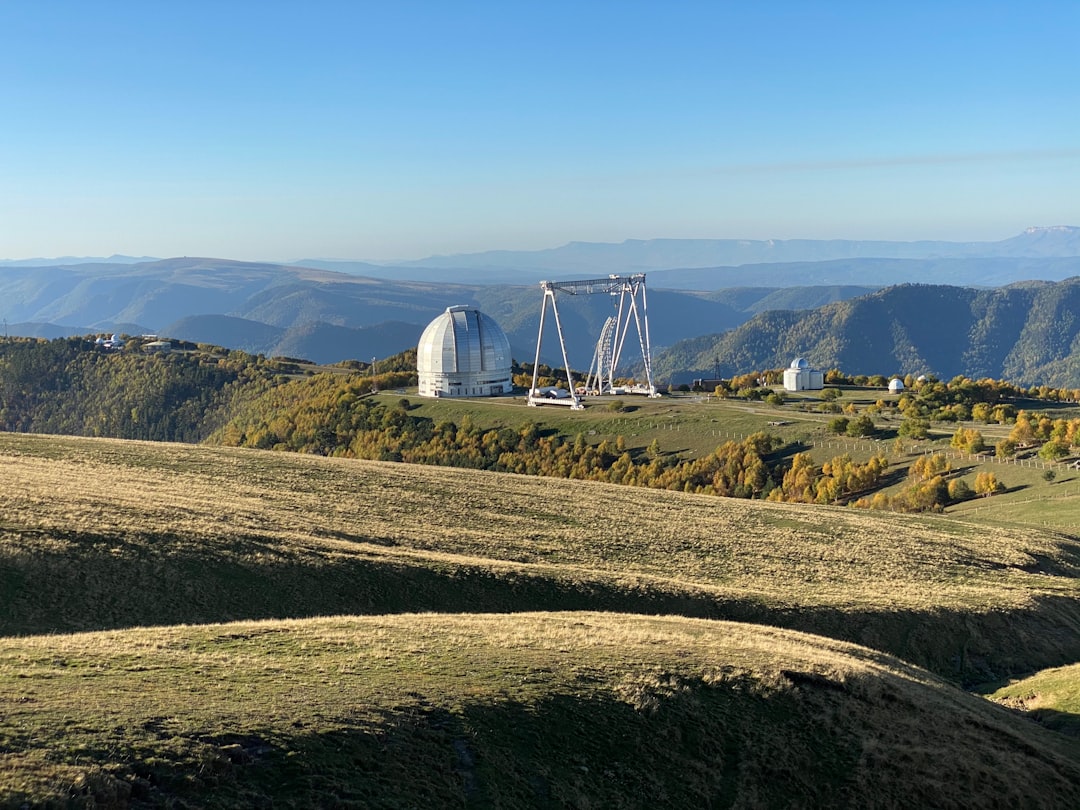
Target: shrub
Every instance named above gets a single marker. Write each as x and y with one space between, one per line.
861 426
838 425
914 428
959 490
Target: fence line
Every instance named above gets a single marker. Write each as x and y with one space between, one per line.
869 446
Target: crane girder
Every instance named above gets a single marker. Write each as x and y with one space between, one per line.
591 286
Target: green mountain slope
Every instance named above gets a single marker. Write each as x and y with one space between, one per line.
1026 333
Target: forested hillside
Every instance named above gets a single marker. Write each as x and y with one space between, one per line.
208 394
329 317
71 386
1027 333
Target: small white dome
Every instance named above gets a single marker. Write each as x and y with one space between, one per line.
896 384
800 363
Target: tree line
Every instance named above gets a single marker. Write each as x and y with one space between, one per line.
206 393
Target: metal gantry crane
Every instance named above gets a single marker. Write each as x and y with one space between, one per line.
632 308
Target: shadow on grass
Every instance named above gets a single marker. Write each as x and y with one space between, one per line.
1062 722
110 584
668 740
685 744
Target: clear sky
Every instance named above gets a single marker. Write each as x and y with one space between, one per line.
397 129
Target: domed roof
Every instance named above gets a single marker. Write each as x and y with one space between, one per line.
800 363
463 340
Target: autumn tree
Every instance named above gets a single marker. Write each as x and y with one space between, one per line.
986 484
926 467
968 440
1006 448
1053 451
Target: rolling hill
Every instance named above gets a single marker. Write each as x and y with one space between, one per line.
524 710
214 534
314 313
120 687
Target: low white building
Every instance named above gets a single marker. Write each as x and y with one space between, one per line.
799 376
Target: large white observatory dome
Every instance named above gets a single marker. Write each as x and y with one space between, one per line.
463 353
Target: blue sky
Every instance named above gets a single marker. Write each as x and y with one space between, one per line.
279 130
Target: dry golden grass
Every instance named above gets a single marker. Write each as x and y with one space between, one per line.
802 554
560 709
566 709
100 533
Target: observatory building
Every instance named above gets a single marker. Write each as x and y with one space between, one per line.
463 353
799 376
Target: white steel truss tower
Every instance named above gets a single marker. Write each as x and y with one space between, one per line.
632 309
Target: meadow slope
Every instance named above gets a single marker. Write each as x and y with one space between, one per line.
99 534
524 710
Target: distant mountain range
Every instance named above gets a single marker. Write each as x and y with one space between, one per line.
328 317
638 255
696 287
642 255
1051 253
1026 333
69 260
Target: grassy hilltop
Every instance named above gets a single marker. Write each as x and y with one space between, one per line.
552 710
104 534
135 552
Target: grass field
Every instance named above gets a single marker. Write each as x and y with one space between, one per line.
99 534
1052 697
692 425
482 701
564 710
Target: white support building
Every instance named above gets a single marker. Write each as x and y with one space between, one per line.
799 376
463 353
